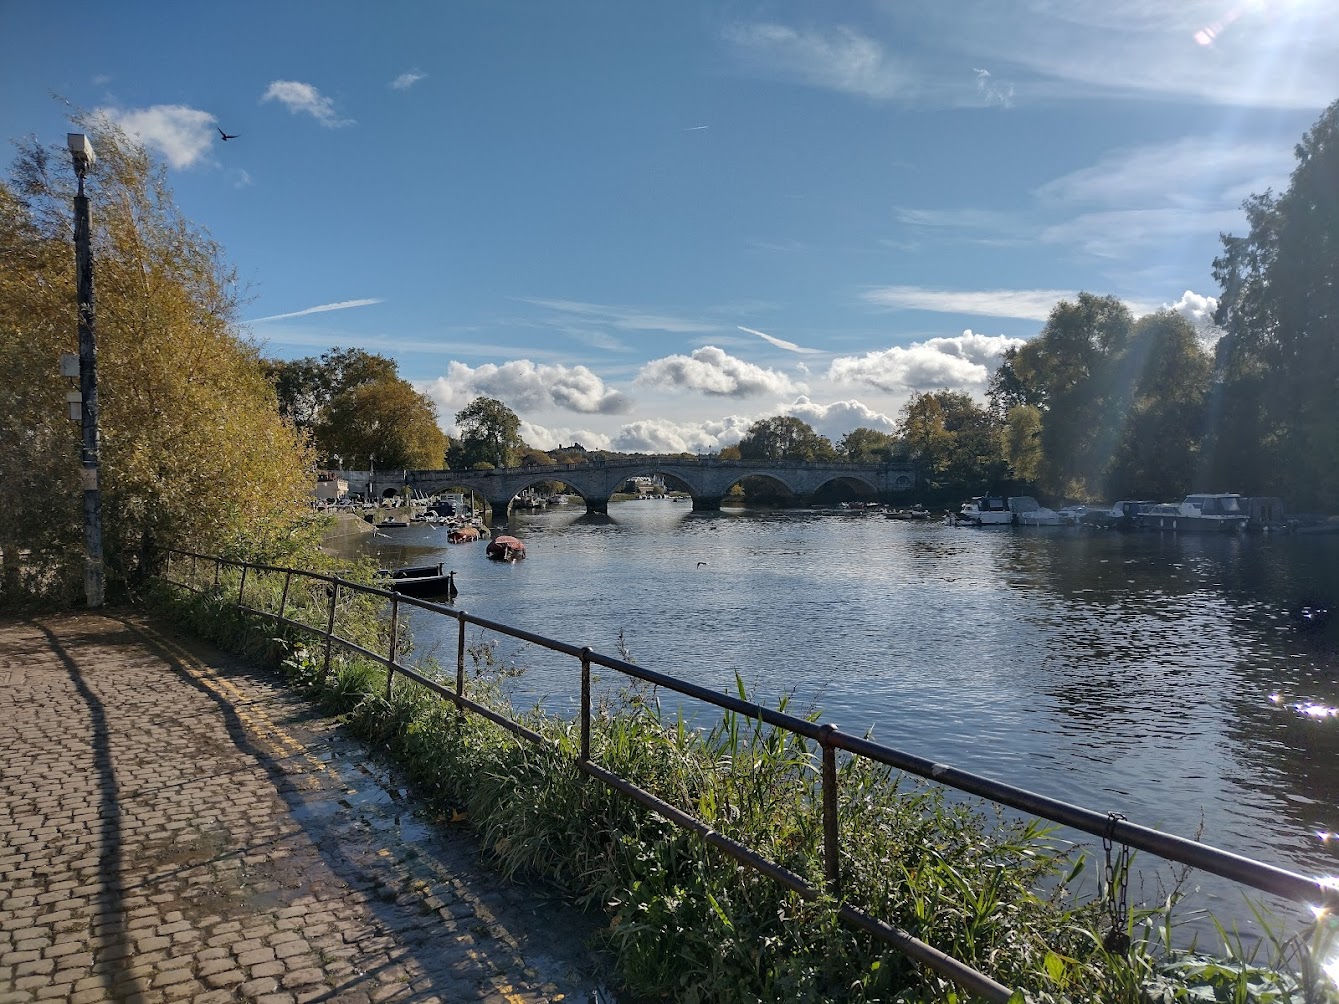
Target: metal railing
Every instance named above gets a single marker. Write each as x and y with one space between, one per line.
1111 827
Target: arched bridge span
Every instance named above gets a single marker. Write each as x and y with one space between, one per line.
706 479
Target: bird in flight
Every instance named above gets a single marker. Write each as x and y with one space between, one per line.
225 135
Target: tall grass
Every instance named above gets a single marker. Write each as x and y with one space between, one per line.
686 922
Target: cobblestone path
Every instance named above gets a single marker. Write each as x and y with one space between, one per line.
176 826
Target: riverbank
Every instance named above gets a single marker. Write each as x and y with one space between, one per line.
178 824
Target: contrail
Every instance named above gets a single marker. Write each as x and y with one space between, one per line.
341 305
780 343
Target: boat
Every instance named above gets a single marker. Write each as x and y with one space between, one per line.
1223 512
464 534
916 512
1028 511
985 510
420 580
505 548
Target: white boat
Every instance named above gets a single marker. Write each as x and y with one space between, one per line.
1029 512
985 510
1223 512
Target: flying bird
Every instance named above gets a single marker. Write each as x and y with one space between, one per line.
225 136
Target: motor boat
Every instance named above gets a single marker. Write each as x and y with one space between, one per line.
985 510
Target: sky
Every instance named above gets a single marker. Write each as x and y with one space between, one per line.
645 226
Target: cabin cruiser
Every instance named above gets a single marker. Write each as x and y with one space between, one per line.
985 510
1029 512
1122 515
1199 513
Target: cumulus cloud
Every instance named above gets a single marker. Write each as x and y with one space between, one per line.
543 437
837 419
300 98
181 134
713 371
658 435
961 363
522 384
841 60
407 79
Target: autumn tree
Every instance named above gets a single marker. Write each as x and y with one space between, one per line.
383 418
490 433
954 441
194 452
867 446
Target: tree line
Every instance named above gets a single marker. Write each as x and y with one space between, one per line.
206 444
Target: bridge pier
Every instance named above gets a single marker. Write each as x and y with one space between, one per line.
707 503
597 506
499 509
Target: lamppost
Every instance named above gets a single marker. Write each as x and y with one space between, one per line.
371 475
81 150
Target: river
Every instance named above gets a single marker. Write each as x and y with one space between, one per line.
1156 675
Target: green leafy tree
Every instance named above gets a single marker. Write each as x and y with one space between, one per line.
383 418
867 446
1021 442
954 441
194 452
785 437
1274 411
490 433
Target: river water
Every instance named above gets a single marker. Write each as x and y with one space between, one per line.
1156 675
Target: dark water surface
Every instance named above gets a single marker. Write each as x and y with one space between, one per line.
1151 674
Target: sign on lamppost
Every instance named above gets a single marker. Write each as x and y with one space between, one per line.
81 150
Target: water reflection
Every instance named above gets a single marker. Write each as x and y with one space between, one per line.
1150 674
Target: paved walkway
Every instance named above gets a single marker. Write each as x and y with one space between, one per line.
176 826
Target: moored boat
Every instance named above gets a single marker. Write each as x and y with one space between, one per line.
505 548
1200 513
464 534
420 580
985 510
1028 511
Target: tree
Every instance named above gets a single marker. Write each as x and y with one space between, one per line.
385 418
867 446
490 433
194 452
1021 442
307 388
1274 412
953 440
785 437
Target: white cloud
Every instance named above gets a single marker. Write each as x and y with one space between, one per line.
624 318
408 79
298 97
323 308
780 343
841 60
961 363
182 135
1185 171
241 178
522 384
837 419
1120 233
713 371
993 92
1027 304
543 437
658 435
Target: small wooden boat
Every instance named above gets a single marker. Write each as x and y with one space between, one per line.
420 580
464 534
505 548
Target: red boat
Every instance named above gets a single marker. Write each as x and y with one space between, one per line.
505 548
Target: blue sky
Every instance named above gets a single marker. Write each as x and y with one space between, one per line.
644 226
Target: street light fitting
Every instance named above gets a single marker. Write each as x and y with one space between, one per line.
82 152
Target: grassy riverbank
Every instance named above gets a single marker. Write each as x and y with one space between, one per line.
684 922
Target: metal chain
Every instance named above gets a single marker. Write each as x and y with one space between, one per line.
1117 889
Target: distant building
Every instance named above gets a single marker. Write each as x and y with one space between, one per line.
329 487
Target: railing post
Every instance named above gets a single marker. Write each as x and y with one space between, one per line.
395 637
330 629
460 659
218 566
831 849
241 588
195 571
169 566
283 598
585 704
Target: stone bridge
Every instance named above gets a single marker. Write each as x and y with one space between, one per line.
706 479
